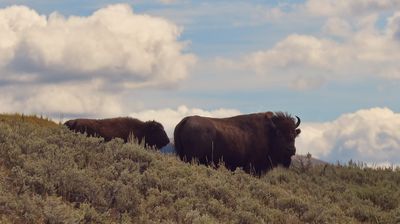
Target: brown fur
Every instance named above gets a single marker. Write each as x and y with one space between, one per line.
122 127
256 142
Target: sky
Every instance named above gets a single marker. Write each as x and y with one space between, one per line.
333 63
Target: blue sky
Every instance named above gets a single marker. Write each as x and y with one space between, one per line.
322 60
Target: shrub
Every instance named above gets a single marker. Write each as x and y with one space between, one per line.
49 174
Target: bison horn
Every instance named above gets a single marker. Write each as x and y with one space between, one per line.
298 121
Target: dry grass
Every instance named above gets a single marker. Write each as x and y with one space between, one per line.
32 119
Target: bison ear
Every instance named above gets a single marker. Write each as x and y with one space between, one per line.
298 131
269 114
272 127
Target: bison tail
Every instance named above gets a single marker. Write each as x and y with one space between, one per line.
177 137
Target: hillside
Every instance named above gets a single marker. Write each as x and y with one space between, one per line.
32 119
50 175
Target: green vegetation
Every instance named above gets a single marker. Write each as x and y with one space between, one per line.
52 175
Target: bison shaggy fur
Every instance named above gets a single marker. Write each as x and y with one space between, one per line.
125 128
256 142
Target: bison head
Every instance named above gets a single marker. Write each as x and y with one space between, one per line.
285 130
71 124
155 135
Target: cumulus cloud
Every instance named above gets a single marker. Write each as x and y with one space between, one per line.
369 135
69 99
349 52
337 27
394 26
84 65
298 62
171 117
353 41
113 44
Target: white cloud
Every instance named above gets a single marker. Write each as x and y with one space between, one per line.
350 52
113 43
349 8
393 29
168 1
370 135
201 14
337 27
61 99
355 40
298 62
171 117
84 65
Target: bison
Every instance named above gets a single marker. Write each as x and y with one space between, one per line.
256 142
151 131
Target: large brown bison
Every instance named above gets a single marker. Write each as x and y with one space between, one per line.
256 142
151 131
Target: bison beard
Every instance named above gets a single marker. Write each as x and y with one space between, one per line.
151 131
255 142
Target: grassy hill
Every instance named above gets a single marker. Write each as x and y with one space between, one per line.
49 174
32 119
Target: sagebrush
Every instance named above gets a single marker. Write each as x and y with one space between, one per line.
49 174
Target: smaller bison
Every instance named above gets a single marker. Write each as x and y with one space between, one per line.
152 132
